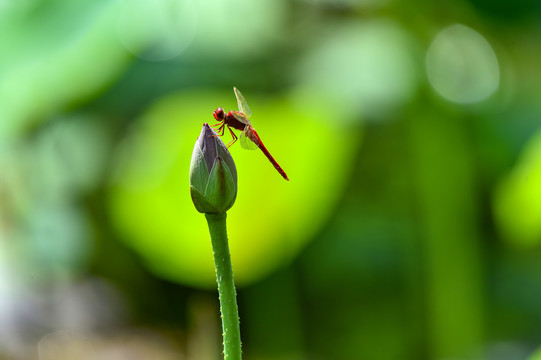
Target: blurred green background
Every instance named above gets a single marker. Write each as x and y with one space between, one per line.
411 132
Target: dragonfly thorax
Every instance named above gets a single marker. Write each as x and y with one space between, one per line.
236 120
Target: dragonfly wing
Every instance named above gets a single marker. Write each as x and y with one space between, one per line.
246 142
241 117
243 105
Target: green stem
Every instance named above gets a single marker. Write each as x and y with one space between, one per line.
226 286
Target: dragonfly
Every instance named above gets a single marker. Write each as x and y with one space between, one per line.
249 139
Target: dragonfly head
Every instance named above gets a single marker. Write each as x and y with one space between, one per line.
219 114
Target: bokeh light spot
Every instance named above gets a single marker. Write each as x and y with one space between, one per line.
238 29
462 66
353 3
361 68
157 30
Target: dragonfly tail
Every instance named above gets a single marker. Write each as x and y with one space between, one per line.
269 156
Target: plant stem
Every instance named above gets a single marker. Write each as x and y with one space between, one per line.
226 286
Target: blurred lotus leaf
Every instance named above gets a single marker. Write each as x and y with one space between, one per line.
517 204
272 218
53 55
536 355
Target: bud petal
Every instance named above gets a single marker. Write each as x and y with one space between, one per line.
201 203
199 172
221 188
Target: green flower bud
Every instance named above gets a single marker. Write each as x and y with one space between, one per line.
213 175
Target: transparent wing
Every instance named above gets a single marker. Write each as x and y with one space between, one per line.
246 142
243 105
240 117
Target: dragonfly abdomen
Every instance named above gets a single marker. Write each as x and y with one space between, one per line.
255 138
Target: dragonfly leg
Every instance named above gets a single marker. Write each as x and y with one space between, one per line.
233 135
220 129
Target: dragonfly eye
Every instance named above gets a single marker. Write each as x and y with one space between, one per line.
219 114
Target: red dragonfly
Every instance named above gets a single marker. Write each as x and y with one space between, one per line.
239 120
